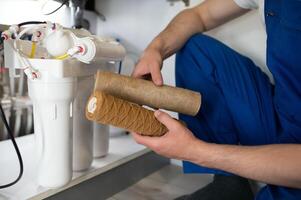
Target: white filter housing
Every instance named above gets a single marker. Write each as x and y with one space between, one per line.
59 95
82 128
52 101
101 140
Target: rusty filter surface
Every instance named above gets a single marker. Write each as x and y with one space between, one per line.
107 109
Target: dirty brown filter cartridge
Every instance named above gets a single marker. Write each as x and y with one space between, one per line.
107 109
144 92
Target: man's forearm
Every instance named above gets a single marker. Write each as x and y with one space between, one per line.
273 164
204 17
179 30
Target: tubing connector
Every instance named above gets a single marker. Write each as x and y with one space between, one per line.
31 74
75 50
8 34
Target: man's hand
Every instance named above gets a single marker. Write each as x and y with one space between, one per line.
198 19
178 142
150 63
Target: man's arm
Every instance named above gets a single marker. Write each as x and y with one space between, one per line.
277 164
273 164
203 17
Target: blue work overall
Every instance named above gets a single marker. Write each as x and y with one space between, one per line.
239 104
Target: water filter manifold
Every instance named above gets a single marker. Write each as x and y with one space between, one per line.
52 41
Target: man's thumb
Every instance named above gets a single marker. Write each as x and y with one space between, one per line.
165 119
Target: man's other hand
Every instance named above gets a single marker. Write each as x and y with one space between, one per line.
150 63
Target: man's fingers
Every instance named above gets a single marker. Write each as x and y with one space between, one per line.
167 120
137 73
145 140
156 75
147 77
138 138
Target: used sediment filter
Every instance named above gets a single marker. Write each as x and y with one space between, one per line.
144 92
107 109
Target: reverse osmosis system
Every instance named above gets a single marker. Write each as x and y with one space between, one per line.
60 64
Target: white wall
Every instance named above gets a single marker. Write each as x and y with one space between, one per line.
136 23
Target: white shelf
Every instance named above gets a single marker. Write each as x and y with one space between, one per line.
122 150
